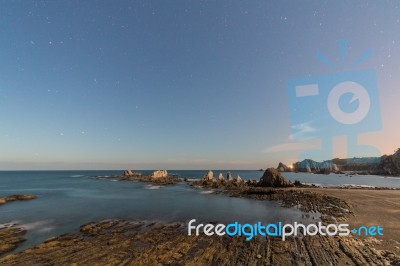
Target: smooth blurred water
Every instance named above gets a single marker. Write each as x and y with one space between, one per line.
68 199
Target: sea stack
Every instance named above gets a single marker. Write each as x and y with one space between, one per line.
283 168
128 173
160 174
228 176
209 176
273 178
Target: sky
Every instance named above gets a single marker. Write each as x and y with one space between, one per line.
183 84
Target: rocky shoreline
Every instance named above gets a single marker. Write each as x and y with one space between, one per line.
273 186
116 242
11 235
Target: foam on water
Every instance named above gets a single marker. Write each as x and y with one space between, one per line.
76 175
355 185
206 192
39 226
152 187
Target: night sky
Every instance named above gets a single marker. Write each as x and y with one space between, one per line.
178 84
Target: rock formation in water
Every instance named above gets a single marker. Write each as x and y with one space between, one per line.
220 177
283 168
239 180
160 174
4 200
128 173
273 178
209 177
228 176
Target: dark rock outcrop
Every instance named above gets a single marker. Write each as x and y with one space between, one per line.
4 200
273 178
390 164
128 173
138 177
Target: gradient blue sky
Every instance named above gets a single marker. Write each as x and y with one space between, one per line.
177 84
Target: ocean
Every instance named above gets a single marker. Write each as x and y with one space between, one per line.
68 199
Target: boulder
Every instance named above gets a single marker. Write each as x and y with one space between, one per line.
273 178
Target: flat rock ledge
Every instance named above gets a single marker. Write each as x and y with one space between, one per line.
116 242
331 208
169 180
6 199
10 236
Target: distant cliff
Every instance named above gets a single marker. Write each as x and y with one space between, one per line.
384 165
390 164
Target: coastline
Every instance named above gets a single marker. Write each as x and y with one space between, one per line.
11 235
134 242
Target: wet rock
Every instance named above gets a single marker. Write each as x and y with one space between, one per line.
4 200
10 236
138 243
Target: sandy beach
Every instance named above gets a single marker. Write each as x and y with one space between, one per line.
373 207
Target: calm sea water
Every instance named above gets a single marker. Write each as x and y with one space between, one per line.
68 199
